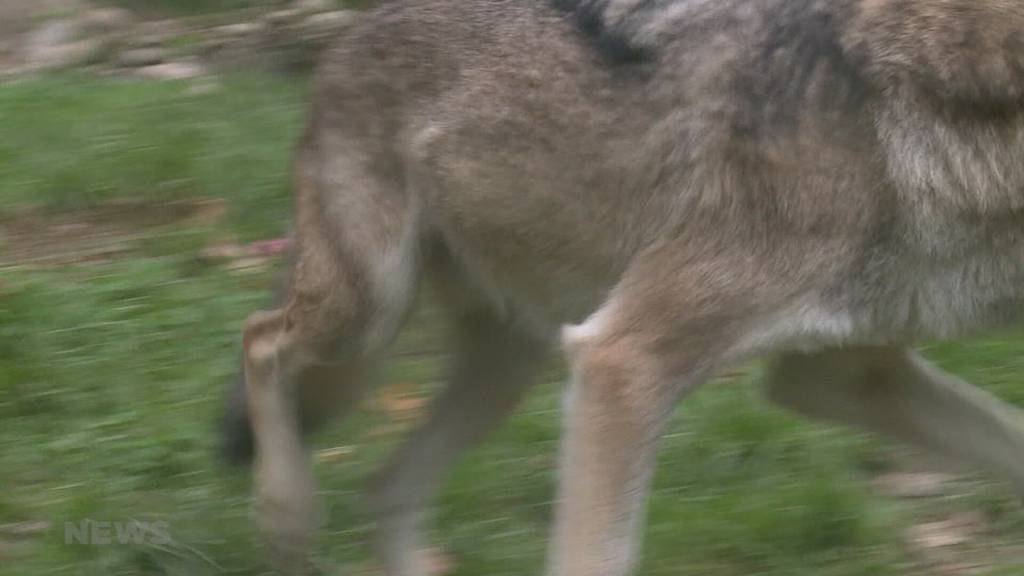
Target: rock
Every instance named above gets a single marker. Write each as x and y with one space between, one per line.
139 57
46 42
308 6
56 44
53 33
327 22
66 55
171 71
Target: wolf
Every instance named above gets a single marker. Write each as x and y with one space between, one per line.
657 189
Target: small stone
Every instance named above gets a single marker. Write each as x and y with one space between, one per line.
53 33
47 47
139 57
171 71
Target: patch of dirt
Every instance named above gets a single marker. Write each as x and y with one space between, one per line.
946 538
912 484
39 238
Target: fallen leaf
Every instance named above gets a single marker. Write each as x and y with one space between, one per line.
334 454
24 529
402 401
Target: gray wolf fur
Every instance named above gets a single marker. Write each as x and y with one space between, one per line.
662 188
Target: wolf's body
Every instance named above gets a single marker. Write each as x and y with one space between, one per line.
682 183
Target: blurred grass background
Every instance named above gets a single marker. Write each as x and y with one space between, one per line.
112 370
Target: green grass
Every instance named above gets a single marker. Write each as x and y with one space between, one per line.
111 375
191 7
75 141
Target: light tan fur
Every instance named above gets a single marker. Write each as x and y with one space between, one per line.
681 185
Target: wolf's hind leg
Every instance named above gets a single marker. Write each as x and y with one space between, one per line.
352 285
896 392
494 364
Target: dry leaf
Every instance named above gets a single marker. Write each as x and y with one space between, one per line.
402 401
334 454
24 529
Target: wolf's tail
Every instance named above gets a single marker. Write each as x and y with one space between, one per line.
237 444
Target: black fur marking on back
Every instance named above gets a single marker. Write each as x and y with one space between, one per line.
801 41
612 43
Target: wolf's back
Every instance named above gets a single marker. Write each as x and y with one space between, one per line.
959 50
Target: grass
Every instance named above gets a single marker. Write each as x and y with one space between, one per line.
77 141
112 373
192 7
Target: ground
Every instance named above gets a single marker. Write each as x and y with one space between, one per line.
127 209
